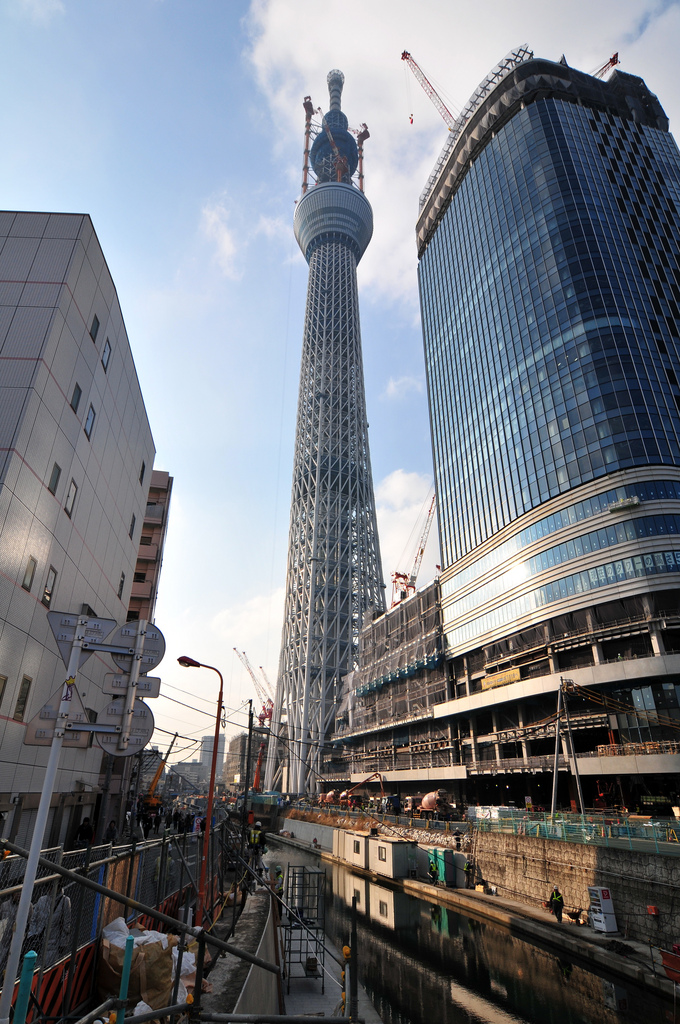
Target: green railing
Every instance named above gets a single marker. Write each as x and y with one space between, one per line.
619 832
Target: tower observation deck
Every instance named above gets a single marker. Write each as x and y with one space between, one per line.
334 572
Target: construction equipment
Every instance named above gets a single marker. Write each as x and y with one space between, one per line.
265 714
611 63
404 585
268 685
341 165
376 776
151 801
430 90
435 803
258 768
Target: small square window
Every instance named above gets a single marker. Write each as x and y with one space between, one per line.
106 355
382 853
139 577
54 478
142 472
89 422
22 699
49 586
3 684
94 330
133 523
29 574
71 498
75 397
121 585
145 541
132 616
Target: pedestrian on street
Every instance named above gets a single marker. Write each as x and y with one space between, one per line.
556 902
85 834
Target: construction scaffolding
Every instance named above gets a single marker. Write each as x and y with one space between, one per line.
304 924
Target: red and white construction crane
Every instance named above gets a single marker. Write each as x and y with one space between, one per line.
267 684
449 118
404 585
611 63
265 714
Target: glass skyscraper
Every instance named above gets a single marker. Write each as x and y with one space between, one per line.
549 246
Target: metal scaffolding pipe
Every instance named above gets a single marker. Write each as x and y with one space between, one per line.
157 915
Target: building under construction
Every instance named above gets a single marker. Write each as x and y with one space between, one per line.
385 719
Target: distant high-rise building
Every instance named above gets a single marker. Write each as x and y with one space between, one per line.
74 444
207 744
549 245
334 572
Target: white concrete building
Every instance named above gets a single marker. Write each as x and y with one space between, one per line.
76 454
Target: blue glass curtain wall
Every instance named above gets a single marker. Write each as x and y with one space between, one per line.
550 294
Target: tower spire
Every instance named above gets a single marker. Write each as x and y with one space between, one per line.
335 80
334 571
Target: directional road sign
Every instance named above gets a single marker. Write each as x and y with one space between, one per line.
141 730
64 626
126 636
116 683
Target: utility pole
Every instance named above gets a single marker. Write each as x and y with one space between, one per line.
557 752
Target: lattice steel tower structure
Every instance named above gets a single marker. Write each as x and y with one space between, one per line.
334 571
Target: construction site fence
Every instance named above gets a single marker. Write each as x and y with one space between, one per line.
624 832
66 920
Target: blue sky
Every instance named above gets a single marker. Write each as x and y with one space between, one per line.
177 125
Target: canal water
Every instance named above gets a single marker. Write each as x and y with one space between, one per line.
425 964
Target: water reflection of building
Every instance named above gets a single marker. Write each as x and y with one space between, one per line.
549 273
439 968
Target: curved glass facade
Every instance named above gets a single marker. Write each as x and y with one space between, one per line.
550 296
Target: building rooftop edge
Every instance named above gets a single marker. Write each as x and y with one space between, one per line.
533 79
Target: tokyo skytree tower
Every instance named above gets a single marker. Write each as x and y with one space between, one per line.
334 571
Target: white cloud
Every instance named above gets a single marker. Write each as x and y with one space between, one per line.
273 227
291 57
42 11
214 225
399 387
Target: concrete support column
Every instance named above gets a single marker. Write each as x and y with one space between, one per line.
473 737
494 726
598 657
658 646
552 656
520 722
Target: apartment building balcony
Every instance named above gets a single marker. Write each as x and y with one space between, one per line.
148 553
142 591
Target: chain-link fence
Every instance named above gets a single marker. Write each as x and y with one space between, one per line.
66 918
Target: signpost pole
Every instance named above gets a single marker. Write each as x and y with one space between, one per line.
39 828
124 738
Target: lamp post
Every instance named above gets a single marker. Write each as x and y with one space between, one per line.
186 662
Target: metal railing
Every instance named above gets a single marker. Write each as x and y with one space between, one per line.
624 832
66 918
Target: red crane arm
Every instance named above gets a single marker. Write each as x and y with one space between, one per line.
430 90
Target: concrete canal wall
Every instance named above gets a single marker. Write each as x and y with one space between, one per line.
526 868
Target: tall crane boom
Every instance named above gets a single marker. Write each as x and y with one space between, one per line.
430 90
268 685
423 542
611 63
402 585
267 702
